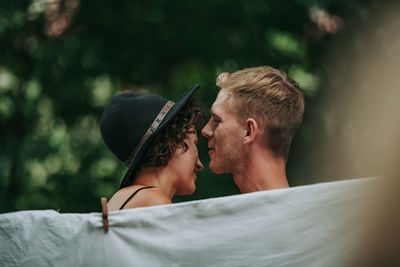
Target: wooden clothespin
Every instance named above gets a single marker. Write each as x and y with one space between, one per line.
105 213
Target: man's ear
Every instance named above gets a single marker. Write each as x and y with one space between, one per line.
252 131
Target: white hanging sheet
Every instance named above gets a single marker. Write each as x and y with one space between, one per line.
313 225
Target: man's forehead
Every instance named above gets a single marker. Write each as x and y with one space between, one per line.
221 102
223 95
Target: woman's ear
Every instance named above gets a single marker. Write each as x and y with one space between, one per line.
251 131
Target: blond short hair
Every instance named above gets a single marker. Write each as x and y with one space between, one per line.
270 97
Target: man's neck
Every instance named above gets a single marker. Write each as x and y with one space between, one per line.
261 173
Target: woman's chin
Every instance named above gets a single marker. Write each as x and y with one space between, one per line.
187 192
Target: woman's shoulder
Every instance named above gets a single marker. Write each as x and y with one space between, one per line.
156 196
142 197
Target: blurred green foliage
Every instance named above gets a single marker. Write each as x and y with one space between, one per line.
62 60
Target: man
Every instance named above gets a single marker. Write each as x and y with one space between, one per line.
253 121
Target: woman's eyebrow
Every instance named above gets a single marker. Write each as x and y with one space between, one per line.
192 132
196 140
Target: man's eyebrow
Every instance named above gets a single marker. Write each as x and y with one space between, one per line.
215 116
212 111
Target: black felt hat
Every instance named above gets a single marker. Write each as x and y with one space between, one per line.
130 122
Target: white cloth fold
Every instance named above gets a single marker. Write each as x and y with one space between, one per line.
313 225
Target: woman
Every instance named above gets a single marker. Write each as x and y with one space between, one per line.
157 139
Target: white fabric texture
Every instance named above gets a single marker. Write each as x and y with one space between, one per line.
313 225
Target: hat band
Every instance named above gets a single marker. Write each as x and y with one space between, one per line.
157 121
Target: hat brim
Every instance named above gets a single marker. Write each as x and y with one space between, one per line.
128 177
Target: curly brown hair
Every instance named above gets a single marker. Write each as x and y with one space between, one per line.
163 147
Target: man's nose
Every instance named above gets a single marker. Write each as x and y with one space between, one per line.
206 131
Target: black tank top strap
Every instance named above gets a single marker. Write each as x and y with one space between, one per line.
133 194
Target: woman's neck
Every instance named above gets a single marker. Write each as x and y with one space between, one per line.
157 177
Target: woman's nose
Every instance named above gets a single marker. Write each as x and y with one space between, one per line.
199 165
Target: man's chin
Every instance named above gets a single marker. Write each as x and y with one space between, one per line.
214 169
